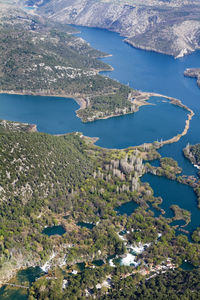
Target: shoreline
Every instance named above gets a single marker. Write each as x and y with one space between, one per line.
177 137
83 105
149 49
132 44
79 99
82 102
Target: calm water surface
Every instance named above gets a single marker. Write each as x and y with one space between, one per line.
173 192
153 72
126 208
150 71
57 115
54 230
24 278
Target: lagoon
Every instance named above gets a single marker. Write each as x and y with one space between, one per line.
173 192
126 208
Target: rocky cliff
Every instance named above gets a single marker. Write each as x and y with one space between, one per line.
170 27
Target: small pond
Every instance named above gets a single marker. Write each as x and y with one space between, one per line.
126 208
54 230
86 225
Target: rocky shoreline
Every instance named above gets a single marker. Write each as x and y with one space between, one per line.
193 73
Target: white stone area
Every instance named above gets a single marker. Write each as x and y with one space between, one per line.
47 265
128 260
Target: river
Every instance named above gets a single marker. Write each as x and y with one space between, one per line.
143 70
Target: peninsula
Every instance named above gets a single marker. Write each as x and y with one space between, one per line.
53 62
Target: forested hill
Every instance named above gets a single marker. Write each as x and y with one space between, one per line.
43 58
37 171
39 165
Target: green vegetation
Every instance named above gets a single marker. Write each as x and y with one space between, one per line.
35 169
174 285
46 59
107 105
45 178
196 235
192 152
168 168
181 214
6 126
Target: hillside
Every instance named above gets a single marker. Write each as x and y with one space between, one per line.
170 27
44 58
36 169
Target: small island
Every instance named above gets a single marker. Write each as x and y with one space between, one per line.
195 73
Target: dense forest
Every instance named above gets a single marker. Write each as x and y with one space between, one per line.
172 285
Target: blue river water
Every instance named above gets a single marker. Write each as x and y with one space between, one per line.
143 70
150 71
57 115
153 72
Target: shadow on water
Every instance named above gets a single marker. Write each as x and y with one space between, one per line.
86 225
186 266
